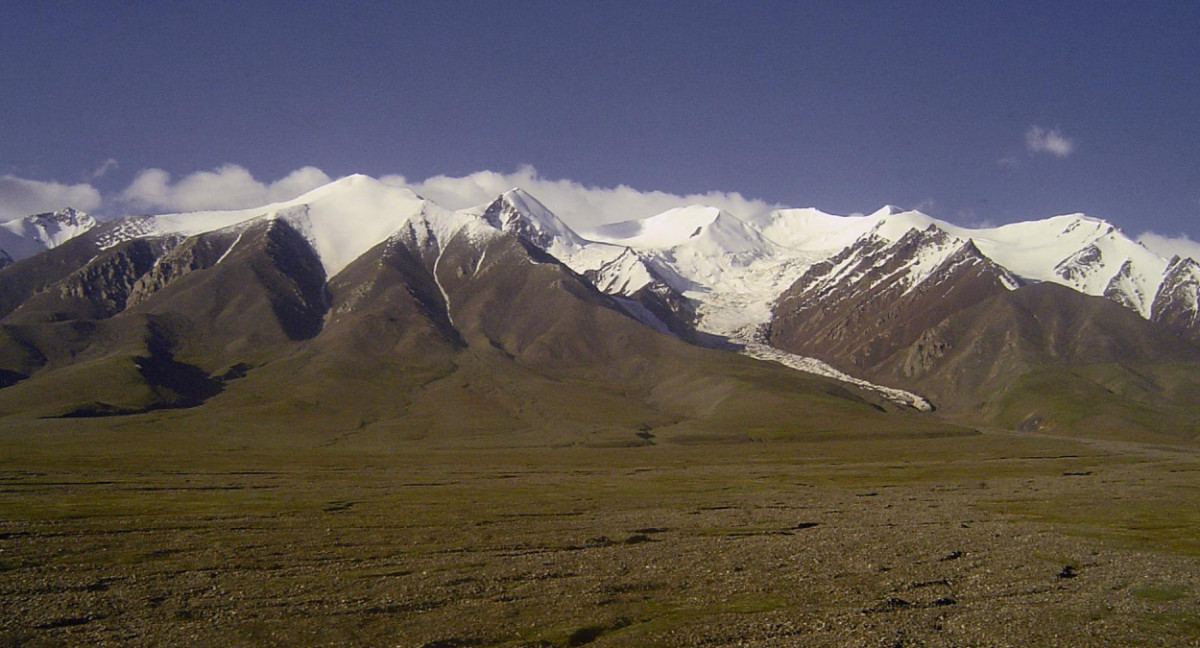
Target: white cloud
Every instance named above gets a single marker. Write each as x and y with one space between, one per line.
227 187
1052 141
578 205
104 168
20 197
926 206
1169 246
968 218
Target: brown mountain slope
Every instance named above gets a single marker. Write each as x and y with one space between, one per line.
854 311
472 338
1047 356
1175 305
519 347
266 294
152 323
25 278
1039 356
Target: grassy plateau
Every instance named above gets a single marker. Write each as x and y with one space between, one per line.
136 531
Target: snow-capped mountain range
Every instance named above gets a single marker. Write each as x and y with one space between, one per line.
735 270
695 267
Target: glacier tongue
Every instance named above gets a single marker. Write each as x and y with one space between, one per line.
814 366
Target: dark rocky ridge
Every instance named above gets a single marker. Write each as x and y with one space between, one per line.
1175 304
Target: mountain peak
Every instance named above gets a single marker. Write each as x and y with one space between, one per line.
896 225
669 229
518 212
694 231
517 194
355 178
27 236
1082 223
66 215
525 203
888 210
362 187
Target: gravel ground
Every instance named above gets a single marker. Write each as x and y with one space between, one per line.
609 548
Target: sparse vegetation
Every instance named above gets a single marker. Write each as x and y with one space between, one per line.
292 537
1162 593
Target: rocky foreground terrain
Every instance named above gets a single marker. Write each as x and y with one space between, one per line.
993 540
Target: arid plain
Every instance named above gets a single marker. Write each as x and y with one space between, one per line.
161 538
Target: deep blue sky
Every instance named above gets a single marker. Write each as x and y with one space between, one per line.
806 104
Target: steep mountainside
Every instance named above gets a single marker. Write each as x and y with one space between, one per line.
931 314
1177 301
1083 253
450 324
1047 357
617 270
363 301
859 307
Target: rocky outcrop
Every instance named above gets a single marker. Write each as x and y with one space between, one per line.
180 259
102 288
876 298
1177 303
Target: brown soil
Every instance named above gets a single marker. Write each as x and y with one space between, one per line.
998 540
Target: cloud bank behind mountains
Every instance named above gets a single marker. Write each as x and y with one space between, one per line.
580 206
20 197
234 187
1169 246
226 187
